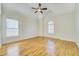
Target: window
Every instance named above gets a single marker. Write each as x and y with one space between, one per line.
51 27
12 27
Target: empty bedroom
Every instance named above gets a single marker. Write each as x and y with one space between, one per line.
39 29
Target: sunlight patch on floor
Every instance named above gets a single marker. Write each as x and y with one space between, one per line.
51 47
13 50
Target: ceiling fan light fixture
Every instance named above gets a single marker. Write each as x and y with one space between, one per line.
39 9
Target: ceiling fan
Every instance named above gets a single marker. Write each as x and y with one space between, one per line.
39 9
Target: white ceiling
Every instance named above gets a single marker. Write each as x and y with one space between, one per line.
56 8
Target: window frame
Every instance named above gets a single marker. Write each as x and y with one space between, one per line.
12 28
51 27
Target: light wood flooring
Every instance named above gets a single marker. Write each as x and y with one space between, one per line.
43 46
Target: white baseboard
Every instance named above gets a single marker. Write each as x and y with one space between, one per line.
18 39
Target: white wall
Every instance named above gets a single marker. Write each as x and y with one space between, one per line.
77 23
65 26
29 27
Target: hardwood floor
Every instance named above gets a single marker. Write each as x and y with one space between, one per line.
43 46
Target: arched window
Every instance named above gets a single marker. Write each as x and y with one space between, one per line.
12 27
51 27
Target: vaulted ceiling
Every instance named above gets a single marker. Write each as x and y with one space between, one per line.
56 8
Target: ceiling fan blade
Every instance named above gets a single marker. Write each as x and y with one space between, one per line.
35 11
39 5
41 12
34 8
43 8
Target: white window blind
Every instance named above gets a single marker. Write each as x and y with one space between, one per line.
51 27
12 27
